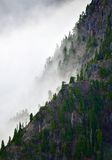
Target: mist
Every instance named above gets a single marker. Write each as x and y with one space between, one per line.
29 33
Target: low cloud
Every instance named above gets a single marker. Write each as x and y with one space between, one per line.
29 31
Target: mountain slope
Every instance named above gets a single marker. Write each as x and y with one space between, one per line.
80 46
77 123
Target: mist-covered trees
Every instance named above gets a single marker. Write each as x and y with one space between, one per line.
50 95
76 123
9 141
73 124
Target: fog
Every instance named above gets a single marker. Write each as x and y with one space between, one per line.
29 33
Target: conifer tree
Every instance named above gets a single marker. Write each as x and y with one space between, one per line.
31 117
2 145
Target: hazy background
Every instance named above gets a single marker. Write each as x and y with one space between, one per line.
29 32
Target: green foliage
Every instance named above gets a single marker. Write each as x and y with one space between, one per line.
82 17
52 125
105 48
91 42
63 85
68 104
67 135
2 146
66 149
9 141
77 91
81 74
3 150
78 77
80 147
89 134
54 96
43 137
61 116
103 72
99 139
85 138
72 80
18 135
52 147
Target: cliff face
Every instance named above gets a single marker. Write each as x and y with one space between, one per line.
77 123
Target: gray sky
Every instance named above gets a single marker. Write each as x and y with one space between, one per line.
29 32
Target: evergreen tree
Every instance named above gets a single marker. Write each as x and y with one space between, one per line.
72 80
20 127
2 145
9 141
31 117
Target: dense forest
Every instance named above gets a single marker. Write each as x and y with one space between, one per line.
76 124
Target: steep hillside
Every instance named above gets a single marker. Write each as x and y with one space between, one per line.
77 123
80 46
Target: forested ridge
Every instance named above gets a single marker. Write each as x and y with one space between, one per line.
77 123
